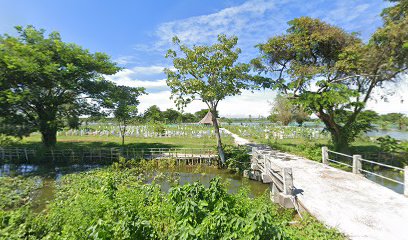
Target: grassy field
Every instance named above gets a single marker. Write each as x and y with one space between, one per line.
306 146
34 140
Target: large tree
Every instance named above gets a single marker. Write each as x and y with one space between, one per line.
153 114
285 110
172 116
46 83
333 73
282 110
121 102
209 73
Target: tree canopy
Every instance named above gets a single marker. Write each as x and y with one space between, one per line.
209 73
332 73
46 83
153 114
122 102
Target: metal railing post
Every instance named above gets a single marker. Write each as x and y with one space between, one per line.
357 164
406 181
325 155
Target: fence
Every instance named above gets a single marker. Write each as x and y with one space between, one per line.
281 179
357 163
105 155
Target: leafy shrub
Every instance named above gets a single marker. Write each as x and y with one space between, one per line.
15 191
159 129
388 144
114 203
237 157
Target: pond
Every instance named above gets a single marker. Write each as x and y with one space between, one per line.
398 176
50 175
394 133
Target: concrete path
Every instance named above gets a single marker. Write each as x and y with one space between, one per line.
238 140
354 205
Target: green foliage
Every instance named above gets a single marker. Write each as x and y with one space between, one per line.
172 116
122 102
237 157
332 73
6 140
15 192
362 124
285 110
45 82
389 144
206 72
115 203
189 118
153 114
209 73
399 119
201 114
282 110
159 129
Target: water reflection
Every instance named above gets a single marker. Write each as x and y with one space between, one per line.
50 176
398 176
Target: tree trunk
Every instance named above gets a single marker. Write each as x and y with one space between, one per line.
122 133
340 142
49 136
338 133
218 136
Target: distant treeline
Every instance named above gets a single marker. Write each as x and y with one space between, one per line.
154 115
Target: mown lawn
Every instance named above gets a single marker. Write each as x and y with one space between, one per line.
90 141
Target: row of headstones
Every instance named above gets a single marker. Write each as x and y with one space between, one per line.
312 134
135 133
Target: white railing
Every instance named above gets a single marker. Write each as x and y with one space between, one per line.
339 162
357 166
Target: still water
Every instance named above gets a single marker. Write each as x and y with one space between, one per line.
394 133
50 175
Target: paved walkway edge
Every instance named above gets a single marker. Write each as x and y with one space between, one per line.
354 205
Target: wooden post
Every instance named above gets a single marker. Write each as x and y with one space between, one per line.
357 164
325 155
287 181
406 181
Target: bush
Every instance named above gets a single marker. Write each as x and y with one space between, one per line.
237 157
114 203
388 144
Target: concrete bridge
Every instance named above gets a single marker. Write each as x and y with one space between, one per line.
347 201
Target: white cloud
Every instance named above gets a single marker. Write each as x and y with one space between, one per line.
247 103
149 70
124 59
248 21
141 83
204 28
253 21
133 77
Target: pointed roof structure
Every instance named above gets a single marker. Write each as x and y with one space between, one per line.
207 119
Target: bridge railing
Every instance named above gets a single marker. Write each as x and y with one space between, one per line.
357 166
280 178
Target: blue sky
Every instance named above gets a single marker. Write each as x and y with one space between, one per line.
137 34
